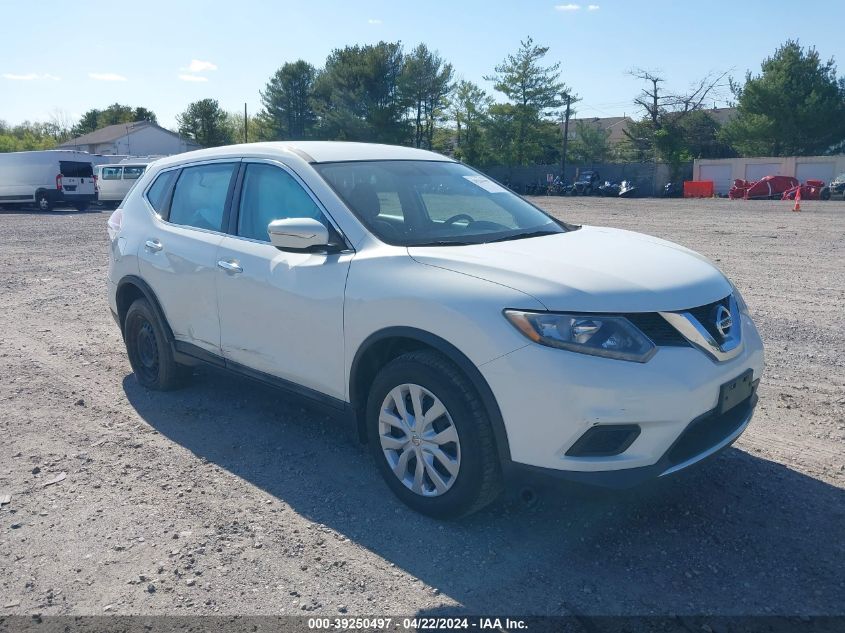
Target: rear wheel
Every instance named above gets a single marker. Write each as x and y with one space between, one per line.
43 202
149 352
431 437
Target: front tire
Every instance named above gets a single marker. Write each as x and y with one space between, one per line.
431 438
149 352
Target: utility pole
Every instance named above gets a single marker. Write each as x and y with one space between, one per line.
246 126
566 96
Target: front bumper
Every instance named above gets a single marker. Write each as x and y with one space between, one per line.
550 398
705 437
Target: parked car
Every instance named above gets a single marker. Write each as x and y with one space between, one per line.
810 190
115 181
837 186
46 179
767 188
587 183
472 338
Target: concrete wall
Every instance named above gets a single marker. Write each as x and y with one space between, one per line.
724 171
650 178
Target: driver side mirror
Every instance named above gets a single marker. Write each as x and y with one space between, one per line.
298 234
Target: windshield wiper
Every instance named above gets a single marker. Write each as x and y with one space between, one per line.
520 236
443 243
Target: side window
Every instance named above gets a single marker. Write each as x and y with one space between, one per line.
132 173
199 198
269 193
111 173
157 194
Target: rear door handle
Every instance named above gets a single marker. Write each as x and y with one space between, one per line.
153 246
230 266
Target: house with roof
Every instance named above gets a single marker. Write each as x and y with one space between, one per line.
613 126
141 138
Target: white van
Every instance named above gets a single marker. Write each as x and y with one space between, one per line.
114 181
47 179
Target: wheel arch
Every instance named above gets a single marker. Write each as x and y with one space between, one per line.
132 287
384 345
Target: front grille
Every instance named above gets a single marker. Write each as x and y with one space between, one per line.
705 315
709 430
657 329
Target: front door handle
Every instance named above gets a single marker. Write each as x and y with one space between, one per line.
230 266
153 246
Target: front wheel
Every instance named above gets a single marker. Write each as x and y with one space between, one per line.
431 438
149 352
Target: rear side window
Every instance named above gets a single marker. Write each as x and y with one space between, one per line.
132 173
268 194
111 173
199 199
157 193
74 169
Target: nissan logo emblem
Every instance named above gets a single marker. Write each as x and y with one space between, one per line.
724 321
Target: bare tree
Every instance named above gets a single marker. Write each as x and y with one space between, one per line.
656 103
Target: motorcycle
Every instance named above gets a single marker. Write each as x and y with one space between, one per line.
628 189
609 188
673 190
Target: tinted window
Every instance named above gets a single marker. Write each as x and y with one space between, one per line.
133 173
431 202
157 194
199 198
73 169
111 173
270 193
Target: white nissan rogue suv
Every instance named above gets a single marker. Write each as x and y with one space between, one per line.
470 336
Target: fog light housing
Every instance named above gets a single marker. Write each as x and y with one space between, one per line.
605 440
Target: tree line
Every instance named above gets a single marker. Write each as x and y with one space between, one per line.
382 93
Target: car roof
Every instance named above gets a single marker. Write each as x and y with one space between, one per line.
313 152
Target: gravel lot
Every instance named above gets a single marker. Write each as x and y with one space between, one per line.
226 497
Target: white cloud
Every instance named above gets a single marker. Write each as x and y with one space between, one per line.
199 66
106 77
192 78
567 7
593 7
29 77
373 21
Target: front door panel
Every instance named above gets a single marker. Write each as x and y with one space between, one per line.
282 314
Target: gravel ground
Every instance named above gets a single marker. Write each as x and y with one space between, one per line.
226 497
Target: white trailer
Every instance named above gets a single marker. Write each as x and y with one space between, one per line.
47 179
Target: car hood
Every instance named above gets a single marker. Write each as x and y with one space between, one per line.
594 269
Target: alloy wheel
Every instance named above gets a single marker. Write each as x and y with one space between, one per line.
419 440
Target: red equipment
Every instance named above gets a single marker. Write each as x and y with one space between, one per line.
768 188
810 190
698 189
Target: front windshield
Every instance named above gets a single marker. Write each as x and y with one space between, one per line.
413 203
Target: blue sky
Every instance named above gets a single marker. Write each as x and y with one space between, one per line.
69 57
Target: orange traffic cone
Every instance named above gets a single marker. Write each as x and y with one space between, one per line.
797 205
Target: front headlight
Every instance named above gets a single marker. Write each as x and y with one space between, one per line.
595 334
740 301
